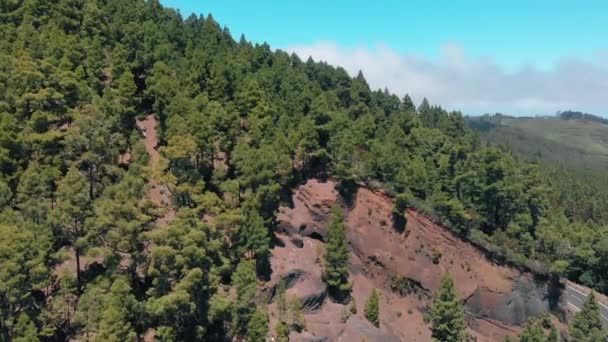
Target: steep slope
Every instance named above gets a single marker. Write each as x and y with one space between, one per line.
571 152
239 124
158 193
498 299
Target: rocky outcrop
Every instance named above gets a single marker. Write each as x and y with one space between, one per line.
426 250
498 299
299 267
312 204
313 300
527 298
306 285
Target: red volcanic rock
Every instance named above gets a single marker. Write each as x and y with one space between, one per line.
498 299
300 268
312 204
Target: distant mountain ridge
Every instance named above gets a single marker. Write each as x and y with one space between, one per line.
572 139
574 115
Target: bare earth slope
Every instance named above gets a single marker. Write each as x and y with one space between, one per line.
497 299
159 193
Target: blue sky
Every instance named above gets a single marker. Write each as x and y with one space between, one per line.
436 42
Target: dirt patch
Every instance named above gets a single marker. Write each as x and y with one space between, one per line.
69 265
159 193
148 128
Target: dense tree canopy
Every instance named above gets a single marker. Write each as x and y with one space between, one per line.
86 253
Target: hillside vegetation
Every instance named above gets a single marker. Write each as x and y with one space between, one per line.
568 140
240 127
571 150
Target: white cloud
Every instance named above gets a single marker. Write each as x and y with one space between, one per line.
474 85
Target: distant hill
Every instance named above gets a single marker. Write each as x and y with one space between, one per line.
571 139
572 115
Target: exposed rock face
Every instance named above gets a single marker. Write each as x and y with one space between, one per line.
300 268
498 299
312 209
527 298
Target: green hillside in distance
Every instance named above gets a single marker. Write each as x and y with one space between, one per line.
571 150
572 141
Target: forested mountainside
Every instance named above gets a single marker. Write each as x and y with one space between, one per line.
572 153
240 126
572 149
570 139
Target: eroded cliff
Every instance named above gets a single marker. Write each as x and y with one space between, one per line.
405 263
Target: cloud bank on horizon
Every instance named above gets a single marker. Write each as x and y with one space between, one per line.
474 85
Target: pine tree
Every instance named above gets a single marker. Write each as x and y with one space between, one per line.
533 332
407 104
35 191
114 325
72 209
257 329
5 194
88 142
25 330
372 308
24 254
119 219
252 239
446 314
424 113
245 283
587 325
336 258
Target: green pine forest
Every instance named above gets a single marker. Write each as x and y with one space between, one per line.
241 125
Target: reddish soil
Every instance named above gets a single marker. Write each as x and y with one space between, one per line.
148 128
496 297
312 207
425 251
306 260
158 193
